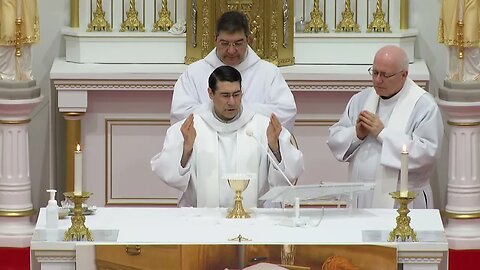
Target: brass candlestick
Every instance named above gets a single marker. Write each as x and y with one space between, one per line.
238 185
379 24
164 23
348 23
316 23
132 23
78 231
99 23
403 231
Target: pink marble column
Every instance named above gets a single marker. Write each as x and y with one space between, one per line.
463 190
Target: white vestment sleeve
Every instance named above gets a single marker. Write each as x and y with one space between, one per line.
292 163
342 139
281 101
166 164
185 98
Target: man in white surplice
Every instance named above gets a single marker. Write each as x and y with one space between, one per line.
378 121
263 85
223 137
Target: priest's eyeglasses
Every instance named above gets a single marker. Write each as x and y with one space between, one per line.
236 44
235 95
382 75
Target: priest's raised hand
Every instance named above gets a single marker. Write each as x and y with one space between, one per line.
273 132
189 134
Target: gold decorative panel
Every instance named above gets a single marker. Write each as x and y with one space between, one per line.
271 26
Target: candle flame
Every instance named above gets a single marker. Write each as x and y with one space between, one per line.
78 147
404 148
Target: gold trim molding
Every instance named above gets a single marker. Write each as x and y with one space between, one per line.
73 114
25 213
461 216
463 124
14 122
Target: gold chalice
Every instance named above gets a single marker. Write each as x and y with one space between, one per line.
238 183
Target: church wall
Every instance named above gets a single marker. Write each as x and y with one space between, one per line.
42 133
46 141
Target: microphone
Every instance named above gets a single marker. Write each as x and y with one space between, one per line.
250 133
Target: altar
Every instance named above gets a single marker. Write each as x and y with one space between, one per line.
125 227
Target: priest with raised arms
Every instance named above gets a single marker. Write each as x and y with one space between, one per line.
378 122
224 137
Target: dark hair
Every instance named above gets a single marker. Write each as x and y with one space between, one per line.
232 22
224 74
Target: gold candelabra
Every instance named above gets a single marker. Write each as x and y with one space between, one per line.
238 185
379 24
403 231
348 23
316 23
99 23
164 23
132 23
78 231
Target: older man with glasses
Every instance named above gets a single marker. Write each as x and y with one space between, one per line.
264 86
378 122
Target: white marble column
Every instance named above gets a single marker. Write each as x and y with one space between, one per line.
15 192
16 206
463 190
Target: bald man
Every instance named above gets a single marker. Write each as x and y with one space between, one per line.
378 122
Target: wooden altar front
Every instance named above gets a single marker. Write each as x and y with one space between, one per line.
166 228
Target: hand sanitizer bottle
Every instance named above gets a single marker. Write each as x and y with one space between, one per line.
52 217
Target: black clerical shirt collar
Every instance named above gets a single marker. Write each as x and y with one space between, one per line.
397 93
385 98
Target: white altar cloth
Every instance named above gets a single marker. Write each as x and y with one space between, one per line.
209 226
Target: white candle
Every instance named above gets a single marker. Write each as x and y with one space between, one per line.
18 5
77 171
404 172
